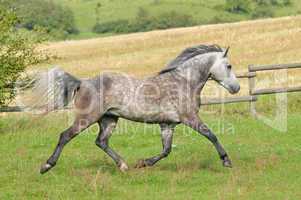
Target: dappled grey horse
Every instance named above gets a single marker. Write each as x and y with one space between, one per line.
168 98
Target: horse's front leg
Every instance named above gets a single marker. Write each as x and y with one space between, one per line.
195 123
65 137
167 131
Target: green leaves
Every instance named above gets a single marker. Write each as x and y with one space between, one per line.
146 22
56 20
16 53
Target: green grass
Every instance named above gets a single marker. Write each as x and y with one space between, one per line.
266 161
203 11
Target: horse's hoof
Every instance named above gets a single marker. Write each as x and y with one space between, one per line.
45 168
227 162
123 167
140 164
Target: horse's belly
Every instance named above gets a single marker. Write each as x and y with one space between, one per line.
148 116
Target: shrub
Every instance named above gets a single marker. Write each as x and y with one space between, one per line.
145 22
238 6
221 18
120 26
172 19
262 2
142 22
16 53
273 2
262 12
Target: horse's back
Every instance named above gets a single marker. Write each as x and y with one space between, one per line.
144 100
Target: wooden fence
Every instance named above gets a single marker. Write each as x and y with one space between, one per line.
253 93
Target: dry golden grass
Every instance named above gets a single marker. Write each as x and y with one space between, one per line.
268 41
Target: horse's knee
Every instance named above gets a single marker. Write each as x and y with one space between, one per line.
65 137
166 152
212 138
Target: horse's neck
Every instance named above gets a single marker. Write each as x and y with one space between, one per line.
197 71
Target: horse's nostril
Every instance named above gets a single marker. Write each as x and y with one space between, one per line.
235 89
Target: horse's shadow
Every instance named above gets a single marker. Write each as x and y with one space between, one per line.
107 166
103 165
194 166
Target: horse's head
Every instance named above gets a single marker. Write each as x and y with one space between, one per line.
222 72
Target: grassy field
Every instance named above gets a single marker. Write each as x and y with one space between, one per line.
266 161
203 11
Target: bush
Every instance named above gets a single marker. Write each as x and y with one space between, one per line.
58 21
222 18
172 19
267 2
238 6
16 53
145 22
273 2
120 26
262 12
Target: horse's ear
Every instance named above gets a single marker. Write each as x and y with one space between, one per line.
226 52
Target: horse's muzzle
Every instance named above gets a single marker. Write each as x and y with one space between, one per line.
234 89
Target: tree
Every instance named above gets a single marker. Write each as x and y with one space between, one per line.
57 20
16 52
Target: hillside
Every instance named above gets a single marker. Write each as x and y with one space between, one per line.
203 11
267 41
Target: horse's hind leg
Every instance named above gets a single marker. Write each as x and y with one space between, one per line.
106 127
78 126
166 135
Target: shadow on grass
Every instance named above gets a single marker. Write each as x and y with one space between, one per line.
107 166
193 166
103 165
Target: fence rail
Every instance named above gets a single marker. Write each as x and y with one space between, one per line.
229 100
253 68
253 93
275 90
12 109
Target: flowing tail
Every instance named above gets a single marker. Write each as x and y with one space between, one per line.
53 90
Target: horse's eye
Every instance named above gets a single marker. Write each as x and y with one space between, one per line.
229 66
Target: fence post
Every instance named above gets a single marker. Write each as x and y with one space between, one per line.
251 89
